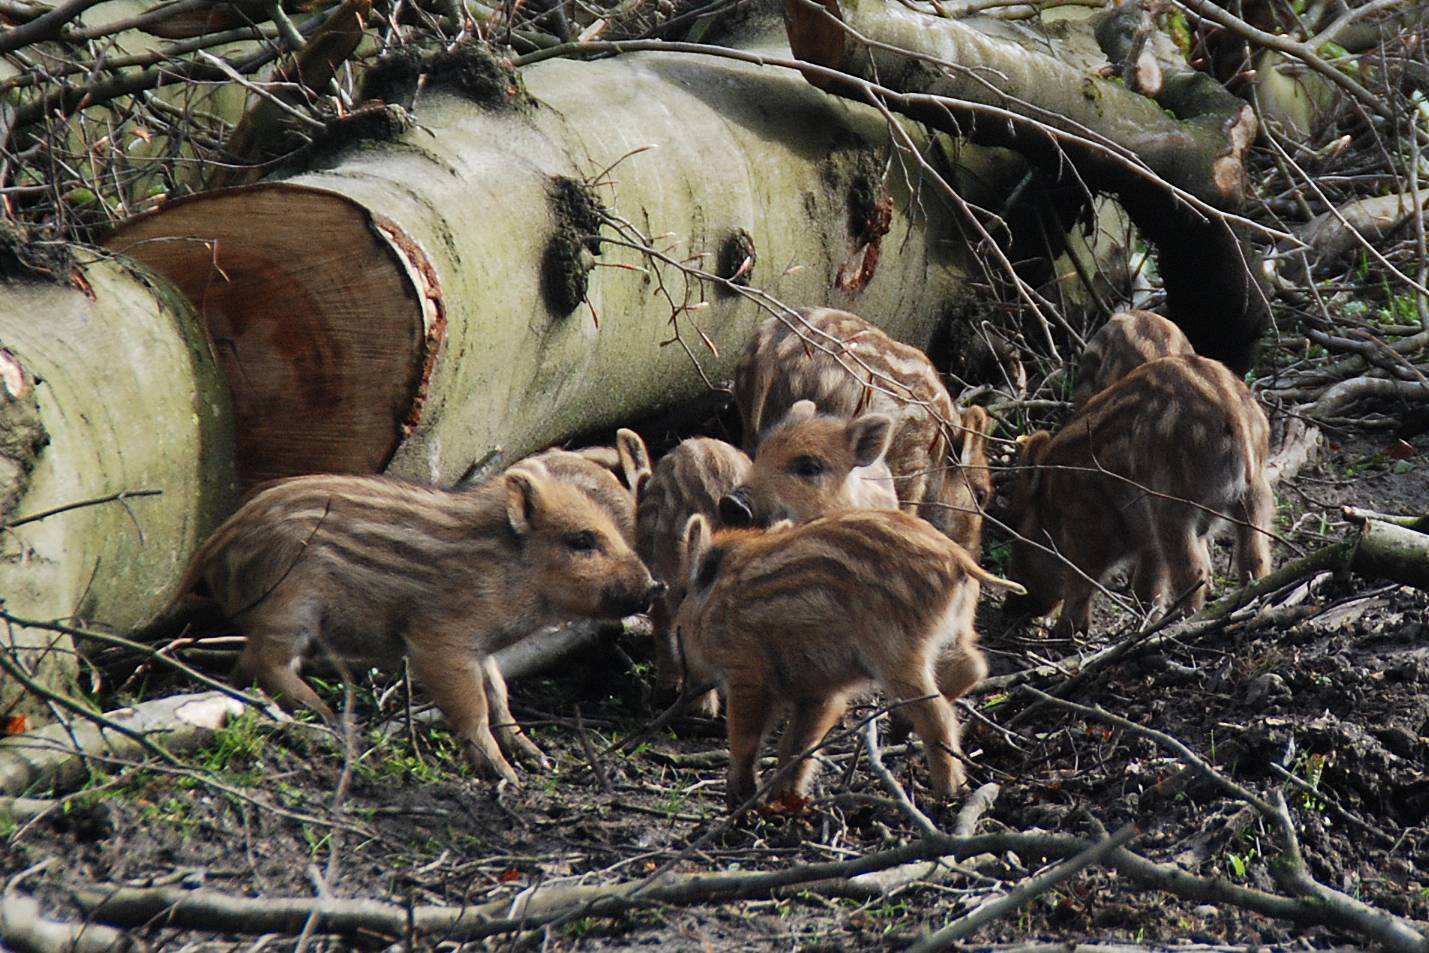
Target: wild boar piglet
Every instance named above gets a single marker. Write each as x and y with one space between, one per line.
812 464
848 368
797 618
1128 340
689 479
1142 476
367 569
612 476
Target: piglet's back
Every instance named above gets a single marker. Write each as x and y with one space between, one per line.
885 565
1208 432
1127 340
380 539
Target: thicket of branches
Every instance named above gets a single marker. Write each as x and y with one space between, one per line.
110 109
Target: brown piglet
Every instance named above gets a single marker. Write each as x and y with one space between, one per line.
849 368
367 569
811 465
1127 340
1140 477
612 476
689 479
797 618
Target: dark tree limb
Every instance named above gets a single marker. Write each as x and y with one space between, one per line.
1210 273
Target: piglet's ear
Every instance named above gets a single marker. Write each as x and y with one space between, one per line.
524 497
634 458
868 437
802 410
1034 446
974 436
1033 449
696 543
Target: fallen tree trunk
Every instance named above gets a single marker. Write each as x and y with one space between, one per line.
117 457
994 83
422 303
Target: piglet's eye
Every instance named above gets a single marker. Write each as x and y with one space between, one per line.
807 467
582 542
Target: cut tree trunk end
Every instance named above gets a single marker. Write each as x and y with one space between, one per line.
1398 553
993 83
468 289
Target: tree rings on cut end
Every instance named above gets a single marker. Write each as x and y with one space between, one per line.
312 314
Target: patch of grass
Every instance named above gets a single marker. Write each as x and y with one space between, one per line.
171 810
317 840
1238 864
289 796
997 557
552 781
890 913
578 929
1311 768
393 758
674 803
236 750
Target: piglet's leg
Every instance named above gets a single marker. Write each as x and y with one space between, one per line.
746 721
458 687
960 667
937 724
667 651
1190 561
503 723
811 721
1076 607
1252 543
272 661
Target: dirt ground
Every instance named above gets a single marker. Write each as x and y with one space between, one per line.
1332 688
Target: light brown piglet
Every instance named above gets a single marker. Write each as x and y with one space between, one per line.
848 368
1142 476
689 479
1128 340
811 465
369 569
612 476
797 618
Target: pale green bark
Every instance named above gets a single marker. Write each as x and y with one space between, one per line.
130 399
738 147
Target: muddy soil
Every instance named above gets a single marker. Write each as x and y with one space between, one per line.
1330 689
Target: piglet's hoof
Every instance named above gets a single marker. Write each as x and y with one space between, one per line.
491 764
524 750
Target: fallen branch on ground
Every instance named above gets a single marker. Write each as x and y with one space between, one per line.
213 911
23 927
56 755
1380 549
1288 870
1020 895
